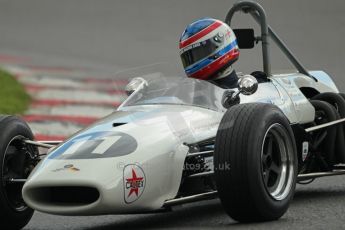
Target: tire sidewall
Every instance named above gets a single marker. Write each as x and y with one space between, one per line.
11 127
264 201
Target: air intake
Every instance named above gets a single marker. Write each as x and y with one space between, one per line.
64 195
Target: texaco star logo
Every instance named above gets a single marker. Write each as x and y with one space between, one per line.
134 182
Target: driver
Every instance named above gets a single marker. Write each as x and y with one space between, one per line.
208 48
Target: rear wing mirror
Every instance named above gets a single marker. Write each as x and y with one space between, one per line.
245 38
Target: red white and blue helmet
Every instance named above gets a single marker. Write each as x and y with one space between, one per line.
207 47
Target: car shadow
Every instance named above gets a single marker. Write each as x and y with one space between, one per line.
194 215
182 217
318 194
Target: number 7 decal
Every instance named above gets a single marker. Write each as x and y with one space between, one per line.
105 144
96 145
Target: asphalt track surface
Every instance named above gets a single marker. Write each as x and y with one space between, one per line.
112 35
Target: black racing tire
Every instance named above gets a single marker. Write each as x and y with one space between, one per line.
254 145
14 214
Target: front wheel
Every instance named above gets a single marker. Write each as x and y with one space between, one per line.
15 163
257 143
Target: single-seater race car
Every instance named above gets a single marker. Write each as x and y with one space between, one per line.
177 140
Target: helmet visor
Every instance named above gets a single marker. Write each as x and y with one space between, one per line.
198 51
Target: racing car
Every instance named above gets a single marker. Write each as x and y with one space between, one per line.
176 140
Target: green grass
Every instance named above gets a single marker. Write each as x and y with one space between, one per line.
13 98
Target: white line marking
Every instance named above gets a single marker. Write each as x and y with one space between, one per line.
105 145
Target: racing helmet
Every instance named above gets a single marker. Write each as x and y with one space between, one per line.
207 48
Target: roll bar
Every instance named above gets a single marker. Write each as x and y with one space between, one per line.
259 15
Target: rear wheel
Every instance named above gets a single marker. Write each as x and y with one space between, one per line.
16 163
257 143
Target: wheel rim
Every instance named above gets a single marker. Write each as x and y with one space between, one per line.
277 162
13 166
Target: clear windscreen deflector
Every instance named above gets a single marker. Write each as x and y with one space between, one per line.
173 90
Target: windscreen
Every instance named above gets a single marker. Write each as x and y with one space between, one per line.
177 91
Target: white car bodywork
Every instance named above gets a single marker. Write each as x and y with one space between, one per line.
157 158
